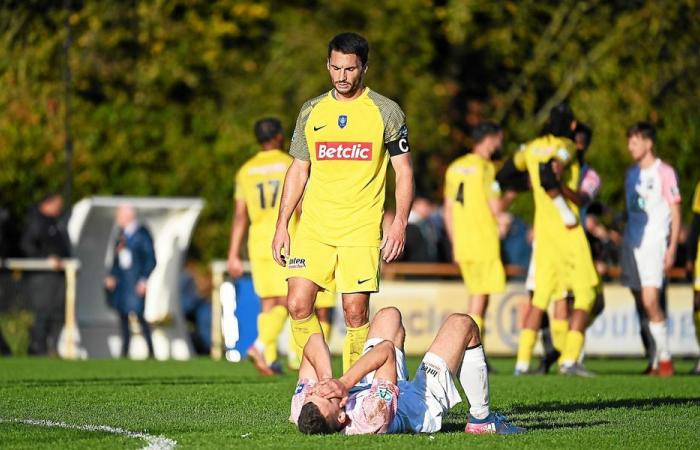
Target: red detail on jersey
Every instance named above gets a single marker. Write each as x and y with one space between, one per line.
353 151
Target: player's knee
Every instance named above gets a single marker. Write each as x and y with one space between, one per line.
299 308
465 323
356 315
389 314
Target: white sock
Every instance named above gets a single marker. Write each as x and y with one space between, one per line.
475 381
659 331
565 212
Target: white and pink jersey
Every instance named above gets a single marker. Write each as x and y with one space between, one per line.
649 194
371 408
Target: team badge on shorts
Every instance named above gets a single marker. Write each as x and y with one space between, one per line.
385 394
342 120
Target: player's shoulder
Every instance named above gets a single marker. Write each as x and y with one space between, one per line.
311 103
387 106
665 169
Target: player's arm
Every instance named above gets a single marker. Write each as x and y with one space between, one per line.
240 223
316 359
670 256
447 217
513 179
294 185
381 358
395 240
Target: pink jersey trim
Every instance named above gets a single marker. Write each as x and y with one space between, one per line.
669 183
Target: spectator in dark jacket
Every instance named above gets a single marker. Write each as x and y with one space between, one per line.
134 260
45 236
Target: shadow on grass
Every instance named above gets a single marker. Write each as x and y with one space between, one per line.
599 405
146 381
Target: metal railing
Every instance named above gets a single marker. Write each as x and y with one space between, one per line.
70 267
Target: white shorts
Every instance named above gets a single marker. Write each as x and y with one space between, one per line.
425 400
401 372
643 266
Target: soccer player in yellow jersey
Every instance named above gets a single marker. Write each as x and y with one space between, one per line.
694 255
341 146
562 255
472 202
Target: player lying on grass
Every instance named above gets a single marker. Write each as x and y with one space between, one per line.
375 396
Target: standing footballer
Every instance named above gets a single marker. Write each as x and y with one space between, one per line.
341 146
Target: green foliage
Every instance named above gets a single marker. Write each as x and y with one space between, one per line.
165 92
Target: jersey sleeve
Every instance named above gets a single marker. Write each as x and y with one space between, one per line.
395 129
449 183
299 148
238 193
565 151
696 199
669 184
374 409
520 159
590 185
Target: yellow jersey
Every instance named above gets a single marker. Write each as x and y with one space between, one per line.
470 183
348 145
541 150
259 183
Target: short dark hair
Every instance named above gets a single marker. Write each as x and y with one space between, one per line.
267 128
311 421
643 129
484 129
586 131
350 44
559 121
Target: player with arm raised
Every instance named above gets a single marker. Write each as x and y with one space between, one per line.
341 146
374 396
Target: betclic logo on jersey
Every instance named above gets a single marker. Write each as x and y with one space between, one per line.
339 151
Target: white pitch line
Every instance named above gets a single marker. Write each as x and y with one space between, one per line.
152 442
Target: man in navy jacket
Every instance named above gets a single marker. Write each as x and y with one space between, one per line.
134 260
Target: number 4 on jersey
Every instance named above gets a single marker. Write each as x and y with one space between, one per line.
460 194
275 185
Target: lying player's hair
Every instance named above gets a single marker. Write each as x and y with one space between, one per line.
485 129
311 421
585 130
559 122
267 128
643 129
350 44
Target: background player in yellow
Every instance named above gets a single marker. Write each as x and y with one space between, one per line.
341 147
562 255
258 189
472 202
694 255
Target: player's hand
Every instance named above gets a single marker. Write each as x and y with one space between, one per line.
55 262
110 283
332 388
280 246
394 242
141 288
234 265
669 259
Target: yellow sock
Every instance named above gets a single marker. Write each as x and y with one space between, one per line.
353 344
326 327
696 318
525 345
302 329
559 329
479 320
263 341
294 353
276 320
573 347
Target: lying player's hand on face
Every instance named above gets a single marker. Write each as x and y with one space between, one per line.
332 388
280 246
394 242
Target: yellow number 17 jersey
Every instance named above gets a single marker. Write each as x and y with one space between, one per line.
259 183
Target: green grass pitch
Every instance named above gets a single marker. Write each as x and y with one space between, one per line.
207 404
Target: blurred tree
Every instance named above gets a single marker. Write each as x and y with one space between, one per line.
166 91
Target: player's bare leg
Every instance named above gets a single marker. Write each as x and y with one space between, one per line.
528 336
387 324
477 309
356 313
271 320
300 302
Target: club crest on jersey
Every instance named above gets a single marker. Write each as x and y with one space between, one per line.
342 120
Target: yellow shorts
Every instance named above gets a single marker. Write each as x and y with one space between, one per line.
696 284
483 277
336 269
325 299
565 266
268 278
